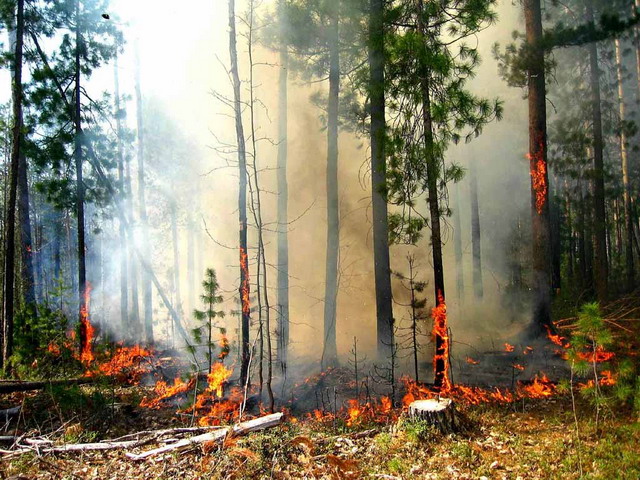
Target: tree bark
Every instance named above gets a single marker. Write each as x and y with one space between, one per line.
475 232
540 221
329 354
26 244
124 250
283 198
381 260
147 292
457 243
628 241
17 136
599 214
441 357
244 288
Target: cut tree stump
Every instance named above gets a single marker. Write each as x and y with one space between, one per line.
441 413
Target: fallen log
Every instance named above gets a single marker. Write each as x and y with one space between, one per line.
9 413
215 437
441 413
20 386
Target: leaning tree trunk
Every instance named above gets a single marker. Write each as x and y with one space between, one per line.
17 136
283 199
442 379
382 264
329 353
540 221
475 232
147 292
599 221
628 241
244 289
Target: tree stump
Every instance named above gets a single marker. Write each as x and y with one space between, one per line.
441 413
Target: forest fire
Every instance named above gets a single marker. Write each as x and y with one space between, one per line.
441 335
540 387
87 331
471 361
538 167
125 363
219 374
557 339
164 391
508 347
245 286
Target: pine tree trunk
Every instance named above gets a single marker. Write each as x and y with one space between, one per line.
26 243
441 367
16 155
244 288
540 222
457 243
191 264
124 250
329 354
382 264
283 199
82 272
176 257
147 292
599 214
475 232
134 310
556 245
628 243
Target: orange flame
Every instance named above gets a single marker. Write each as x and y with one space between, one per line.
517 366
245 287
557 339
539 388
538 167
354 412
527 350
471 361
223 343
125 362
164 391
599 356
441 336
508 347
219 374
87 331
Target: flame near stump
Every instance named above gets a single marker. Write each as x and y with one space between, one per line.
439 412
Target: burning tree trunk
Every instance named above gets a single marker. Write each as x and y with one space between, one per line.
147 293
85 325
540 226
439 314
329 354
382 268
599 220
17 135
628 243
283 198
242 198
475 231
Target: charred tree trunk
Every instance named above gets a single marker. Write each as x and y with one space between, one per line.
283 199
628 241
540 222
242 198
124 251
457 243
599 214
147 292
475 232
329 353
382 264
16 154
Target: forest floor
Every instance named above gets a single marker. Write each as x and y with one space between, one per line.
530 439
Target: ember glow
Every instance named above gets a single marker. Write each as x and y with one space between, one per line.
538 168
508 347
245 288
87 331
442 380
471 361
